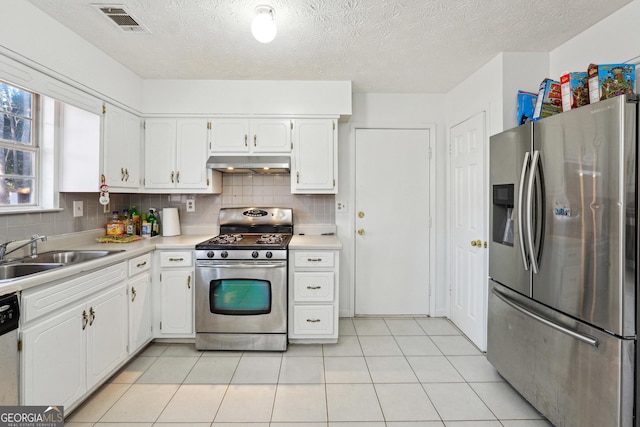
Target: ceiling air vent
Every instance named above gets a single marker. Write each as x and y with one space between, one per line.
120 17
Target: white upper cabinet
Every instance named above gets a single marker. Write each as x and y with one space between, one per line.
122 149
242 136
315 164
176 156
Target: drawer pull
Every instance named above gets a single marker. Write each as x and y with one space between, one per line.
133 294
85 319
314 287
92 316
176 259
141 264
314 259
313 320
189 282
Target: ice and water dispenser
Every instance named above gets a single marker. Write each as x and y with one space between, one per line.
503 214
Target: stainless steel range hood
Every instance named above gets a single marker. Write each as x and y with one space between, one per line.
250 164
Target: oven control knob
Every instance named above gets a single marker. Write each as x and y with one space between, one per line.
224 254
269 254
210 254
254 254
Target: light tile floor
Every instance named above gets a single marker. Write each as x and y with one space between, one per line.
384 372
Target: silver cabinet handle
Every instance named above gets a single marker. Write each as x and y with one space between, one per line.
189 282
313 320
314 287
178 177
580 337
314 259
141 264
172 175
176 259
246 137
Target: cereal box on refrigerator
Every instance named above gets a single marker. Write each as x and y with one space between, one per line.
610 80
526 105
575 90
549 100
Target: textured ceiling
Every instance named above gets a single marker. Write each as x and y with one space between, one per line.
380 45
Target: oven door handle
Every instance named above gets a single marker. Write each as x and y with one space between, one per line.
242 265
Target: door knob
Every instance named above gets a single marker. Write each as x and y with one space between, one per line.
477 243
360 214
361 232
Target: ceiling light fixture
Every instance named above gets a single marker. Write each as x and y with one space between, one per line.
263 26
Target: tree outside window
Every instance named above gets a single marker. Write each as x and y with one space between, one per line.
17 149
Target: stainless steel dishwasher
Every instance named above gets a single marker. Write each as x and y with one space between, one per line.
9 317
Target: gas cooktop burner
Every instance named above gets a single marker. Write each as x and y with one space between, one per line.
222 239
270 239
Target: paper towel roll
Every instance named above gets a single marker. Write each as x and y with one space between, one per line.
170 222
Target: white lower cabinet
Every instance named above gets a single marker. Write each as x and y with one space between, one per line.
176 289
79 343
139 294
313 290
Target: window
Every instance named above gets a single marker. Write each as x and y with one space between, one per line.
18 151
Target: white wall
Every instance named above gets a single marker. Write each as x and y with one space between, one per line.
393 110
31 37
614 39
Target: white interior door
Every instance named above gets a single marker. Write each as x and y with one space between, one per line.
469 229
392 222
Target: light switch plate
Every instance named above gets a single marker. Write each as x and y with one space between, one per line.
78 208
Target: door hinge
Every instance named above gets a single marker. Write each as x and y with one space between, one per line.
334 125
291 124
161 277
209 125
104 109
292 145
19 345
161 325
334 183
207 182
144 124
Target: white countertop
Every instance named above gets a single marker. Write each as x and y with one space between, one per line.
314 241
88 242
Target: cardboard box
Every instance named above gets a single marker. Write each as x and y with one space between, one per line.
575 90
526 106
549 99
610 80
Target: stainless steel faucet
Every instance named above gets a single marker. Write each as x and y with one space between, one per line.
33 242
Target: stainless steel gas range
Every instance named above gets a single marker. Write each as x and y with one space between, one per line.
241 281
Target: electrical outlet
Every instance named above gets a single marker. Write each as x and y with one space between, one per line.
341 206
78 208
191 205
106 208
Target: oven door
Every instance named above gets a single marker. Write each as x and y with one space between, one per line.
241 296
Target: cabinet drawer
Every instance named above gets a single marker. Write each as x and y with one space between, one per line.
313 286
313 320
313 259
139 264
176 259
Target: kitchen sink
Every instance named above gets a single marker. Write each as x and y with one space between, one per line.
69 256
13 271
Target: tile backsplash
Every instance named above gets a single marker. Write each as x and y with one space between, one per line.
238 190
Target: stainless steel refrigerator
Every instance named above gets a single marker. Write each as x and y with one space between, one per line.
563 251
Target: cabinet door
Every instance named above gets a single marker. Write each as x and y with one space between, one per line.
140 332
132 151
160 153
177 302
229 135
315 162
270 136
106 333
191 149
54 359
121 148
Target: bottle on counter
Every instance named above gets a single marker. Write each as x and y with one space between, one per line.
115 227
153 220
135 218
145 230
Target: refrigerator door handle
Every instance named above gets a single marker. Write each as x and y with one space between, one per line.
529 211
580 337
520 218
